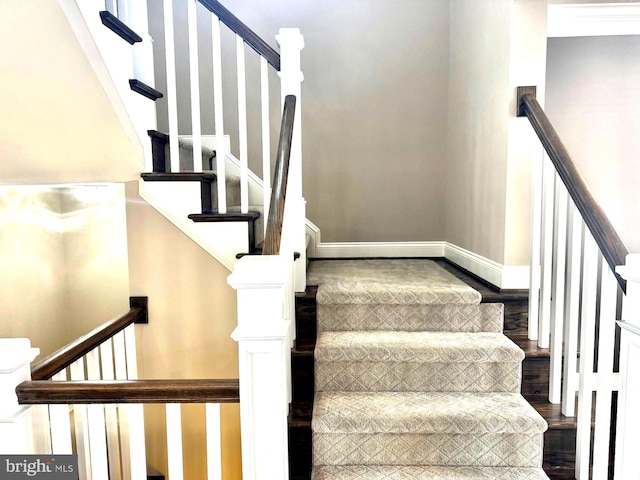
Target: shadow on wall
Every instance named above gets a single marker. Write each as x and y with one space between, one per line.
63 255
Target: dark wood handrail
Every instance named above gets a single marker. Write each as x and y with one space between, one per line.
273 233
596 220
129 391
62 358
248 35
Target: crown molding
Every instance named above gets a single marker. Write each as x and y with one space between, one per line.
593 20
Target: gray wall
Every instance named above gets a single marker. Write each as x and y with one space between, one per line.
593 99
374 110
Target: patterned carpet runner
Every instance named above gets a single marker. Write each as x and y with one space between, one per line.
414 378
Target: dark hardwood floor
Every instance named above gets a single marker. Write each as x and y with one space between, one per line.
559 448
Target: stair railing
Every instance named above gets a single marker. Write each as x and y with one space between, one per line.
574 296
265 332
286 63
86 399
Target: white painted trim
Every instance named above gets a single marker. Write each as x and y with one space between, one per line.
378 249
592 20
502 276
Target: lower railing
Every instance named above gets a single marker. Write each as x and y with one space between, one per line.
104 437
86 399
575 299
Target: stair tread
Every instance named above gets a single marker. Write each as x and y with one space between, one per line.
179 176
398 346
530 347
424 412
405 472
225 217
551 412
387 282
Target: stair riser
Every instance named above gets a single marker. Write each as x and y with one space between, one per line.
411 318
302 370
489 450
417 377
535 376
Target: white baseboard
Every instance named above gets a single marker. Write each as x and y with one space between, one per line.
379 249
502 276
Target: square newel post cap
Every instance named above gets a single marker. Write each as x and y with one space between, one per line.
16 355
630 271
259 272
290 37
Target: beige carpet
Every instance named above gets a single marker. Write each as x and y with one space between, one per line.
414 379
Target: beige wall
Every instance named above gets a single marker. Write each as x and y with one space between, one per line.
95 255
496 46
32 285
593 99
192 312
55 111
478 126
63 254
374 111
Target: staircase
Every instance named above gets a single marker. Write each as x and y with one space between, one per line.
414 378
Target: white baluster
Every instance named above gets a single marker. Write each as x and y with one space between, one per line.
536 236
135 412
174 441
121 10
242 125
60 423
109 6
111 413
96 419
606 346
194 75
266 137
291 44
143 70
548 189
214 444
120 362
172 89
572 312
76 372
557 314
587 343
218 114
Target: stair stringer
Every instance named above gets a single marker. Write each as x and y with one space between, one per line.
176 200
112 60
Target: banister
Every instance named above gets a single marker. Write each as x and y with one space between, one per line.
594 217
239 28
65 356
129 391
273 232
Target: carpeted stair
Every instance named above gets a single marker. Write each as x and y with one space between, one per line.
414 379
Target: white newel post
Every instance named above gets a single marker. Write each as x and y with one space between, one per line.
264 336
16 429
291 43
627 461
